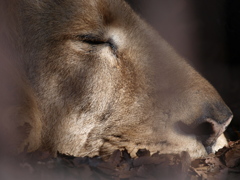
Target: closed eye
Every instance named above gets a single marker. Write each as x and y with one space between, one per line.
96 40
90 39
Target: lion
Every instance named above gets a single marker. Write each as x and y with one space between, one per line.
98 78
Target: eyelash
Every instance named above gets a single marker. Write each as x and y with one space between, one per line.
90 39
94 40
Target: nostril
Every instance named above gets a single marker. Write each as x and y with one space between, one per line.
204 129
207 132
217 130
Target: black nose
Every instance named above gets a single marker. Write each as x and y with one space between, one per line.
219 112
210 125
213 123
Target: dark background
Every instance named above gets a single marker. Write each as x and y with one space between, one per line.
207 34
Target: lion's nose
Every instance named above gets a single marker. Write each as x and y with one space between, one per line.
210 125
209 131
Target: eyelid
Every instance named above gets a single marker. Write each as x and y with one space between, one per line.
91 39
96 40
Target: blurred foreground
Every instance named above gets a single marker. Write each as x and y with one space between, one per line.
225 164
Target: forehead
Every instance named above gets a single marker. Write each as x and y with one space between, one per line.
84 15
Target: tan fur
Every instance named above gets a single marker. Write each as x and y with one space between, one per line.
94 97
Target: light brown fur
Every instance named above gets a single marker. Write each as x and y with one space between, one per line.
102 79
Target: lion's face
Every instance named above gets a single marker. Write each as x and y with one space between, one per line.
104 80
